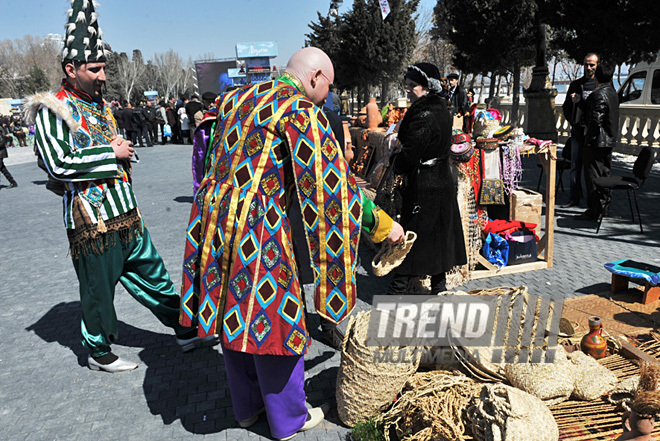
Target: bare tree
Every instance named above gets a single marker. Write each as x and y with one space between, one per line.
170 70
188 78
18 57
129 72
429 48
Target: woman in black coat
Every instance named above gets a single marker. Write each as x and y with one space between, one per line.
429 205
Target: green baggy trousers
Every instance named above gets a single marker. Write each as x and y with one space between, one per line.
140 269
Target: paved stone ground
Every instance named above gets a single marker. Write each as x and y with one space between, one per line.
46 390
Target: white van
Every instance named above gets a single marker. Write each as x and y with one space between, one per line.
642 86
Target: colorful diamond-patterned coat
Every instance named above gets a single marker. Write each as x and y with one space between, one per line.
240 277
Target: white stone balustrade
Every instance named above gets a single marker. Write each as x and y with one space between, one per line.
639 125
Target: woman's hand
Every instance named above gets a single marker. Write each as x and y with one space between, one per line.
397 234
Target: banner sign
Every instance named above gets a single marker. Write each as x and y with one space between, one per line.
384 8
262 49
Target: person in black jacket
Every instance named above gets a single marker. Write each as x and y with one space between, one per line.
601 136
140 119
152 125
573 109
457 96
129 125
3 156
118 114
429 205
192 107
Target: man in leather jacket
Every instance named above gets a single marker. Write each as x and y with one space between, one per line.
457 96
573 109
601 136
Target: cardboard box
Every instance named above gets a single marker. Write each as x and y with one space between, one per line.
526 206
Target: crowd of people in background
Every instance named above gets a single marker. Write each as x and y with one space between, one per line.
166 121
12 130
13 133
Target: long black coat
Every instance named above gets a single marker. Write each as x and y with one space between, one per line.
429 204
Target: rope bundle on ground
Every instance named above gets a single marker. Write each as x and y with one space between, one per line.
431 408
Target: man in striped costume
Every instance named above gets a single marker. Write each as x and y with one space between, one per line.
77 139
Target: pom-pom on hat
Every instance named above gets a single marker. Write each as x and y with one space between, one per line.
425 74
83 38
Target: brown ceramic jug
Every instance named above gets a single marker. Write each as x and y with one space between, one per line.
593 343
374 118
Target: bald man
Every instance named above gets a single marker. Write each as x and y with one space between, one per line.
270 143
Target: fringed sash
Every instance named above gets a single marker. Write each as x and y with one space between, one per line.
87 238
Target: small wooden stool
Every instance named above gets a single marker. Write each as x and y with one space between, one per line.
625 270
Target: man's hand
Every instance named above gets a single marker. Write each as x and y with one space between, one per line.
397 234
575 97
122 148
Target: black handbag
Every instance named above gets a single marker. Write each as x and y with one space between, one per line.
389 195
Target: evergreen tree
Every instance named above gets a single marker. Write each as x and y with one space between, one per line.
366 50
496 36
35 81
328 35
378 49
112 85
622 31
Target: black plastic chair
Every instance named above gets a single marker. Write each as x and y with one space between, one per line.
641 171
563 164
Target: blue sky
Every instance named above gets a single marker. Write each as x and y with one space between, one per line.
192 28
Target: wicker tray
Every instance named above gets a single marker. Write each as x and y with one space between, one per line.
599 419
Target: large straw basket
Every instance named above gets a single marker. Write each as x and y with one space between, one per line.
509 414
365 387
483 127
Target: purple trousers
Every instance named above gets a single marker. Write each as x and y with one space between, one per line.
273 382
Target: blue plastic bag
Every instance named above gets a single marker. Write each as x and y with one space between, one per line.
167 130
496 250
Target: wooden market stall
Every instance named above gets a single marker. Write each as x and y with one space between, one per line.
371 155
544 247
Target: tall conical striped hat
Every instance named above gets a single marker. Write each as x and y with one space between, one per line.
83 38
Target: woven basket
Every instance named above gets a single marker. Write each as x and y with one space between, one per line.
509 414
392 255
483 127
365 388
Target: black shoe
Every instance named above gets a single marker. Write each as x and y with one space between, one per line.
13 185
570 204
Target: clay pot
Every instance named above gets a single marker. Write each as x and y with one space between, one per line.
593 343
362 118
374 118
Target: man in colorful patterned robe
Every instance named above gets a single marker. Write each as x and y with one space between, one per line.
89 166
271 144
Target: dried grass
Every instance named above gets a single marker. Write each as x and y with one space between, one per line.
432 407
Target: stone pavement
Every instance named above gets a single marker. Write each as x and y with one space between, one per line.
46 390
